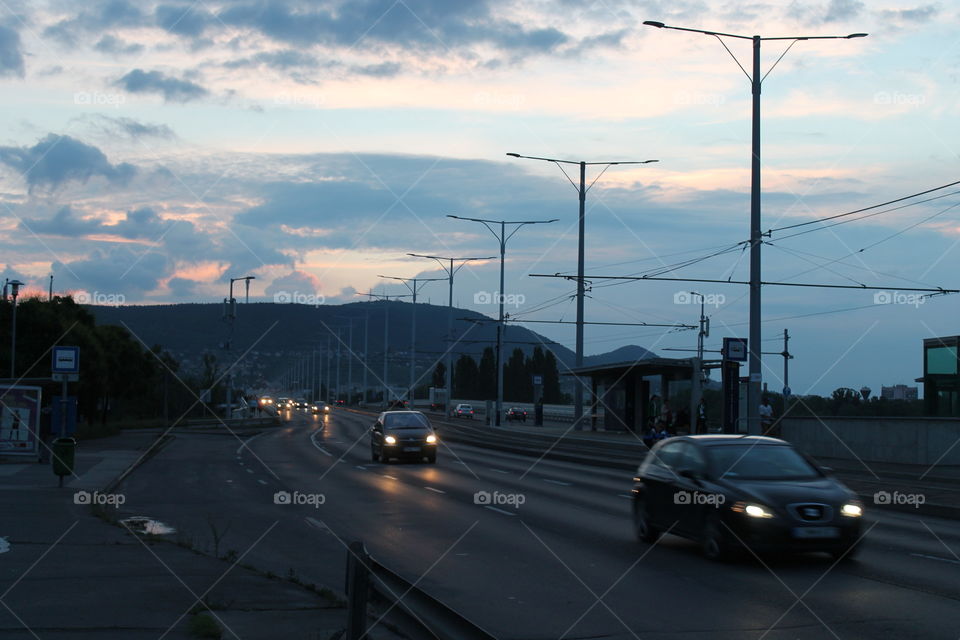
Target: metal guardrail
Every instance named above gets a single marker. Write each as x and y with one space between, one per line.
368 581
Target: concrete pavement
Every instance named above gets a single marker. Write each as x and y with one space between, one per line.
66 573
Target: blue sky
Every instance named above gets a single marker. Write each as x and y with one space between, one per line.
153 150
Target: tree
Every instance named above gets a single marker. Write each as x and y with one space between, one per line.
487 375
518 386
440 375
465 378
551 379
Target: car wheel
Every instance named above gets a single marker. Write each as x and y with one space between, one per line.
384 458
712 542
641 523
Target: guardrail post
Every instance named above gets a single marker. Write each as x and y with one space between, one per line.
358 590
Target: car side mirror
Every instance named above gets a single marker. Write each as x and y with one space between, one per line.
689 474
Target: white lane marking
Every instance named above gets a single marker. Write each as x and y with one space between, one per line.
506 513
926 557
229 481
434 490
314 442
247 442
499 470
262 481
342 461
249 470
623 495
386 476
559 482
4 545
361 467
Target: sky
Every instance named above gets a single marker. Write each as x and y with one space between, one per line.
154 150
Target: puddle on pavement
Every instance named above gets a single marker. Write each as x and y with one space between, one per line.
141 524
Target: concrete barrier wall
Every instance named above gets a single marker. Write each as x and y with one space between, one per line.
901 440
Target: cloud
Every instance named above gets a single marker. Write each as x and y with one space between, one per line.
57 159
115 46
172 89
184 19
840 10
182 288
11 58
293 286
116 270
64 223
97 16
134 129
920 14
282 60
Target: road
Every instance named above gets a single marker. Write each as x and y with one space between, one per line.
555 559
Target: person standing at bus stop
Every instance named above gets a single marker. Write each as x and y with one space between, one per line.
766 418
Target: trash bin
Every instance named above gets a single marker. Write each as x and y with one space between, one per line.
62 456
538 414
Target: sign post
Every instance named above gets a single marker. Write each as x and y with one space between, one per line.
66 368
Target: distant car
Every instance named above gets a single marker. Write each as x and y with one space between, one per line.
398 404
300 403
403 434
284 403
266 401
319 407
463 411
340 403
516 413
729 491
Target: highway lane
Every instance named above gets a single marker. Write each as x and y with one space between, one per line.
561 564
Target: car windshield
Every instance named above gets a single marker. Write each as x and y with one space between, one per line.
405 421
759 462
466 407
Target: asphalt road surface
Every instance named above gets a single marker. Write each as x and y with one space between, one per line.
550 554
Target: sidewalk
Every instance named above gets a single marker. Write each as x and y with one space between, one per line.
65 573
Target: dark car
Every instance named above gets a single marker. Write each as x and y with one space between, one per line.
734 492
516 413
403 434
463 411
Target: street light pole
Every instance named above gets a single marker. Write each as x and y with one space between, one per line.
230 313
451 271
581 288
414 288
14 291
756 235
502 238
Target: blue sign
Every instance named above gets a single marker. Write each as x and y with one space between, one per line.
735 349
66 360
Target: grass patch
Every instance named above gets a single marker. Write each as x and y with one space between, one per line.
203 625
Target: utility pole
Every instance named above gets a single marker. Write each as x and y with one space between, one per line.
327 378
451 271
581 287
413 326
366 351
756 235
786 368
502 238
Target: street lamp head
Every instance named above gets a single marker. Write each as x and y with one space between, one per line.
513 155
15 287
654 23
857 35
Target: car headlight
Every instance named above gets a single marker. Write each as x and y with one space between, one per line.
390 440
852 510
752 509
431 439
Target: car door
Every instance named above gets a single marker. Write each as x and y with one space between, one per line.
692 496
660 482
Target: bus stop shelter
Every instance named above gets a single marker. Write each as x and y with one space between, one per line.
620 392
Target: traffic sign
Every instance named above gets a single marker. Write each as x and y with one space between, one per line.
537 379
66 360
735 349
65 377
